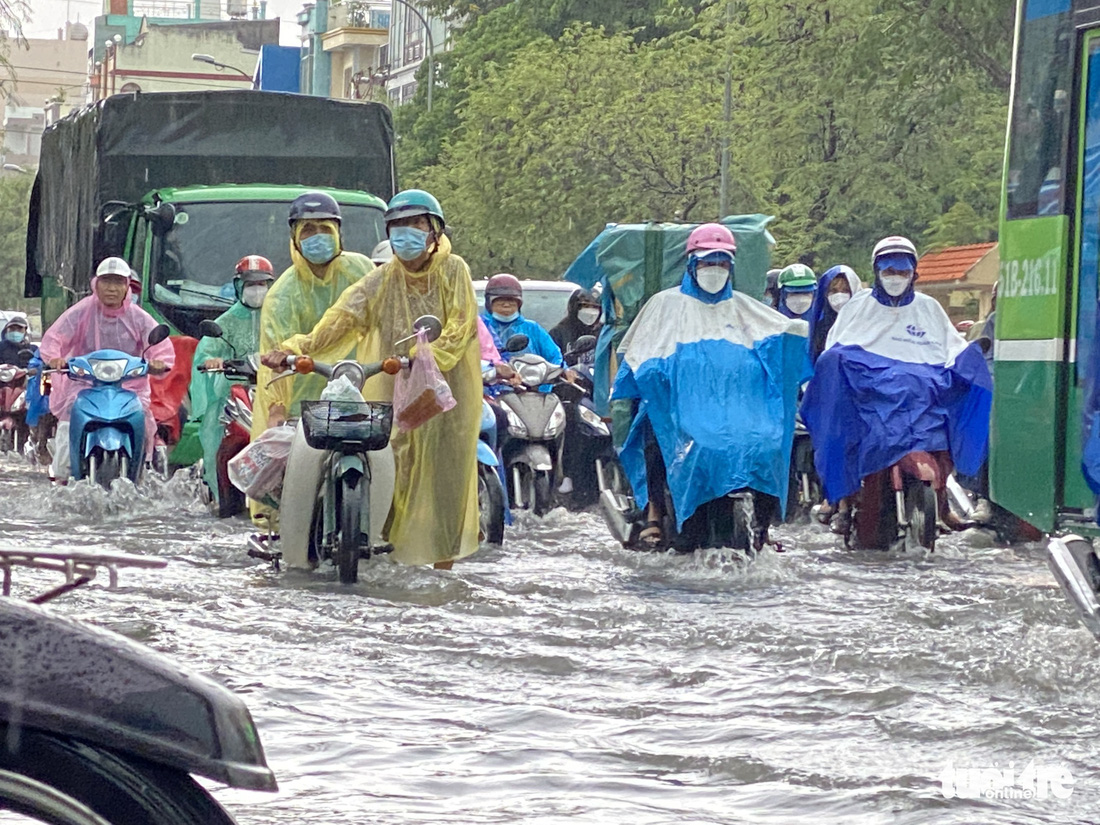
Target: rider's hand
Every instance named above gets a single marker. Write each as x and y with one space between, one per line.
57 363
157 367
276 415
505 370
214 364
275 360
570 376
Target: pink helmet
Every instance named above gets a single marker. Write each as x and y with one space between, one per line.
711 237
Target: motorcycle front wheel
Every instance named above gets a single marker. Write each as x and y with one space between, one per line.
7 440
66 782
920 509
347 543
490 505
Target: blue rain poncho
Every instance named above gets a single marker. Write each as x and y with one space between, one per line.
716 379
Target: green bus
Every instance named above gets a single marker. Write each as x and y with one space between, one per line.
1050 257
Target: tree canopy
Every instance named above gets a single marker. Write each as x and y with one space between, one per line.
851 119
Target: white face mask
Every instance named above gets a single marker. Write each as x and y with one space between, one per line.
712 279
588 315
253 296
895 285
799 302
839 299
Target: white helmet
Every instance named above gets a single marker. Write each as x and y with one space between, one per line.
892 245
382 253
114 266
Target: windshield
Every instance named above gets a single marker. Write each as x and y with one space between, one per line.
194 262
546 307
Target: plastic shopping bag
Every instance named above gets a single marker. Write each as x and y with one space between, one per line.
422 393
258 469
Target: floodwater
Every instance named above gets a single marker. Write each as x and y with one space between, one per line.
563 679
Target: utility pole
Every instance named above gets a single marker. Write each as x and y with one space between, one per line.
727 107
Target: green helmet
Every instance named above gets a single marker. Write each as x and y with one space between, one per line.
413 202
797 275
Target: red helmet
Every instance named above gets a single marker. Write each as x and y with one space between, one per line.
255 268
711 237
503 286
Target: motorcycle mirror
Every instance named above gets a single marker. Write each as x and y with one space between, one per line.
517 343
158 334
430 324
586 343
986 343
210 329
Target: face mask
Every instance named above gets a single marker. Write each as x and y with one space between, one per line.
253 296
14 337
319 249
712 279
799 302
895 285
588 315
408 242
506 319
839 299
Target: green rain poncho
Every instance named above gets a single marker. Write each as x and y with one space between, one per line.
210 390
294 305
435 514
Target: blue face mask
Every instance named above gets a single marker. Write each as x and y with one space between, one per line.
14 336
506 319
408 242
319 248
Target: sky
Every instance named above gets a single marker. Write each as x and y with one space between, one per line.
47 16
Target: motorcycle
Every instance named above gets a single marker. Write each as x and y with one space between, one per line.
13 407
100 730
589 458
339 480
490 488
107 421
804 487
900 502
236 417
536 430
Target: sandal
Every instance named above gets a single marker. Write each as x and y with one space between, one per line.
651 536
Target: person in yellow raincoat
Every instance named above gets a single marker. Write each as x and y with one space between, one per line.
434 519
320 271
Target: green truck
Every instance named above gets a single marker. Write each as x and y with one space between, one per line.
183 185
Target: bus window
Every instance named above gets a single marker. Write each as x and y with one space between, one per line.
1040 110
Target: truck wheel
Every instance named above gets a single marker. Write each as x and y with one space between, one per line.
347 544
118 789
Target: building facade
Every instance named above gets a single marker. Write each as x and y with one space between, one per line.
410 42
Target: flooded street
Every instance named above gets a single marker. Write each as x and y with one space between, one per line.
562 678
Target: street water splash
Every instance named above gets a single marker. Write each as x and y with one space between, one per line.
564 678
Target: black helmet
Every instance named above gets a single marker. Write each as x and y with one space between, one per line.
579 298
314 206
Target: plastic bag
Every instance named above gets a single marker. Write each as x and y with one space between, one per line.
258 469
422 393
341 390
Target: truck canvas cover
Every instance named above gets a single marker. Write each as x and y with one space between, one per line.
125 146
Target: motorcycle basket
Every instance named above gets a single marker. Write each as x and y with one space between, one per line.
333 425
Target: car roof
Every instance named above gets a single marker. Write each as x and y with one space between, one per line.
547 286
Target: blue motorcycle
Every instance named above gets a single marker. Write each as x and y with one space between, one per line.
107 421
490 487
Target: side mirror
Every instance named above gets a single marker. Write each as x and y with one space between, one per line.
111 211
586 343
210 329
158 334
986 343
429 324
162 217
517 343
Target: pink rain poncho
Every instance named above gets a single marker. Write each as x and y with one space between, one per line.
88 326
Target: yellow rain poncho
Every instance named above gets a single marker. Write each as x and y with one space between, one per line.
435 514
294 305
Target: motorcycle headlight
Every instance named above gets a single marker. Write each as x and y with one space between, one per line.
590 418
516 426
7 374
355 373
108 371
556 423
532 374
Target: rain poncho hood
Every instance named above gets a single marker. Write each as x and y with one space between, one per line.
435 510
890 381
294 305
717 385
822 316
210 390
88 326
